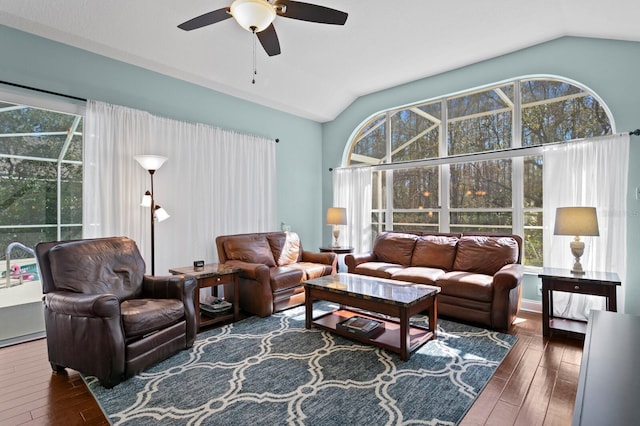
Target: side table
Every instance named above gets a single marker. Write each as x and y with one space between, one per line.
214 275
337 250
592 283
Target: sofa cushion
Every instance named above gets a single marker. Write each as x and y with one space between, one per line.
249 248
485 254
394 247
418 275
285 247
378 269
435 251
467 285
143 316
311 270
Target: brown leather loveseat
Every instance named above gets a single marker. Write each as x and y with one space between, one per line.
274 265
480 276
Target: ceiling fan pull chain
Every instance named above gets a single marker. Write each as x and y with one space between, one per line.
255 71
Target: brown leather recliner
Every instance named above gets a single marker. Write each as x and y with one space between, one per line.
103 316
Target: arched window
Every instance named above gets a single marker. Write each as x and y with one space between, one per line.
485 175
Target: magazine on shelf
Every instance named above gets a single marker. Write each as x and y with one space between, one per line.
360 325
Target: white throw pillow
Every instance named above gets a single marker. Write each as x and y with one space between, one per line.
291 249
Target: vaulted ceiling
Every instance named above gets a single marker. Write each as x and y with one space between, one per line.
322 68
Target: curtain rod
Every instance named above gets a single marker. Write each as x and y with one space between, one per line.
490 155
42 91
61 94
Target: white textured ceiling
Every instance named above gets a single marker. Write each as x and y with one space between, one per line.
322 68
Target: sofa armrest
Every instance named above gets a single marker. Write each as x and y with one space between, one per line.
323 258
508 277
256 296
507 294
254 271
85 333
83 305
168 287
353 260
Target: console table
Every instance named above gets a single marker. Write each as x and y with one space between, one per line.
213 275
592 283
608 387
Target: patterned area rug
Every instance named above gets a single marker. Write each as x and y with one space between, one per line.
272 371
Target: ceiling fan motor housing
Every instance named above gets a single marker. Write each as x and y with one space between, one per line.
253 15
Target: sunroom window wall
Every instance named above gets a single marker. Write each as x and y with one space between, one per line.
486 175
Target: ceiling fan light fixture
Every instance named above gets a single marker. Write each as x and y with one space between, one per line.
253 15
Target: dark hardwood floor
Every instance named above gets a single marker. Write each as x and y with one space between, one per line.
535 385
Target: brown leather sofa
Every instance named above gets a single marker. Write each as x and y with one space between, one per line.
103 316
274 265
480 276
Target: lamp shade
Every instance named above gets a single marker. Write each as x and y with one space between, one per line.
161 214
336 216
146 199
150 162
576 221
253 15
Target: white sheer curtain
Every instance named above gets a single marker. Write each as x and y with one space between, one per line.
214 182
592 173
352 190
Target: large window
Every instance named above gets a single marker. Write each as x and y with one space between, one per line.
41 174
41 157
472 162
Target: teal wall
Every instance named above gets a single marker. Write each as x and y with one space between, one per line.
607 67
37 62
610 68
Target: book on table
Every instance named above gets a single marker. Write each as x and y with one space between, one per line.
214 306
360 325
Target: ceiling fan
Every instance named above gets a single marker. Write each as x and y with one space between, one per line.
257 17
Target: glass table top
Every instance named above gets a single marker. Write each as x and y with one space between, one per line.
366 287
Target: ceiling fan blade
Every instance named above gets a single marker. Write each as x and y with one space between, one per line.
269 40
206 19
311 12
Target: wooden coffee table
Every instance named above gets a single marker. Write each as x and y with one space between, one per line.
397 300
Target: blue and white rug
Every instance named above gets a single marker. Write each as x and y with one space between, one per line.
272 371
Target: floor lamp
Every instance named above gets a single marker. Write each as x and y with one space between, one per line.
151 163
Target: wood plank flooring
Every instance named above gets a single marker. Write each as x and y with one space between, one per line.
535 385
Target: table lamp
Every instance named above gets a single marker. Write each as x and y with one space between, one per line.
336 216
576 221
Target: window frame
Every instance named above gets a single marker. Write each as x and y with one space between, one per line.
516 153
44 101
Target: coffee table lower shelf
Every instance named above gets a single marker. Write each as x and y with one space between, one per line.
387 338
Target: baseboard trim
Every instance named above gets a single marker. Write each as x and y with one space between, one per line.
22 339
531 306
